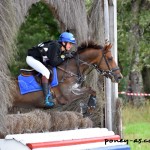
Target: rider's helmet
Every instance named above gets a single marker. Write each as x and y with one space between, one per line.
67 37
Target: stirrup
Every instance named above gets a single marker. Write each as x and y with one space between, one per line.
49 104
49 101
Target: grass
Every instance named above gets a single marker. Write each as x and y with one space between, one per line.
136 126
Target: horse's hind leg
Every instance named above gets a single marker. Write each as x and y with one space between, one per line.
92 100
91 104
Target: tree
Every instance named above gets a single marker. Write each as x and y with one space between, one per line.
133 43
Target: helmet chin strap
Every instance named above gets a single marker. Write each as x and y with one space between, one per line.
64 45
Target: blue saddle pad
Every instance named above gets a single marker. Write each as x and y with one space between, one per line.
28 84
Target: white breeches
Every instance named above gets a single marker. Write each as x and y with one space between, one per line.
38 66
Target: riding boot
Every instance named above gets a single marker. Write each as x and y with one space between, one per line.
49 100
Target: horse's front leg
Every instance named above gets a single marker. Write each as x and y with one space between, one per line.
59 96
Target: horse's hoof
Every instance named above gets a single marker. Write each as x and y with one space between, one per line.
92 102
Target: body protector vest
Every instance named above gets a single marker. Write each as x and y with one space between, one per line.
43 48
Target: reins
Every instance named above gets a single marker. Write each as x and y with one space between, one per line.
79 75
66 72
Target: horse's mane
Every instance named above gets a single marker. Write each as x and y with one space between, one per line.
88 44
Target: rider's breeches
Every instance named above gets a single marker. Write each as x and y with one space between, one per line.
38 66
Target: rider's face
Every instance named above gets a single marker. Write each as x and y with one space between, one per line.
68 45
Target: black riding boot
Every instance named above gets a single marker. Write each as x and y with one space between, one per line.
49 100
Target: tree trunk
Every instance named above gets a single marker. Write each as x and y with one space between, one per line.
146 79
135 73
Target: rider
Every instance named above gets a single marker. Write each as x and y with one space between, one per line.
53 53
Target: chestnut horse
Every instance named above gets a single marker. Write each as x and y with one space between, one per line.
71 75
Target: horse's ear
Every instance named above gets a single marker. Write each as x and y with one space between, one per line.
107 46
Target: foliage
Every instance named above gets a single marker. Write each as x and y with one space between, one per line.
124 19
39 26
144 22
125 22
88 4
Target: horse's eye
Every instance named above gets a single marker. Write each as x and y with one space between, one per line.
110 58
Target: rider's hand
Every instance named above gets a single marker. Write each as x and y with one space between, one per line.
68 55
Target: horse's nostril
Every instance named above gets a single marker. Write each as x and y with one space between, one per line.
120 78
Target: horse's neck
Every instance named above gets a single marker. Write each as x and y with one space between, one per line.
67 69
77 65
89 55
87 58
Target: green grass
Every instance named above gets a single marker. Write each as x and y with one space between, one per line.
136 126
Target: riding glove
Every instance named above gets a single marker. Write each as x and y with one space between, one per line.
68 55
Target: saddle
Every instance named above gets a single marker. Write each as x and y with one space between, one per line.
28 72
37 76
29 80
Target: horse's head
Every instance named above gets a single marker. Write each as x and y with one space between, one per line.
102 60
107 65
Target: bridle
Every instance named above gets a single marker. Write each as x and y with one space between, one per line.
107 73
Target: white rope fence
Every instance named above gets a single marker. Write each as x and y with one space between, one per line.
134 94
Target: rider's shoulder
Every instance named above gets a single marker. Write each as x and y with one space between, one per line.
51 44
54 44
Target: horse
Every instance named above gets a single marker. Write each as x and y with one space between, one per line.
71 75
